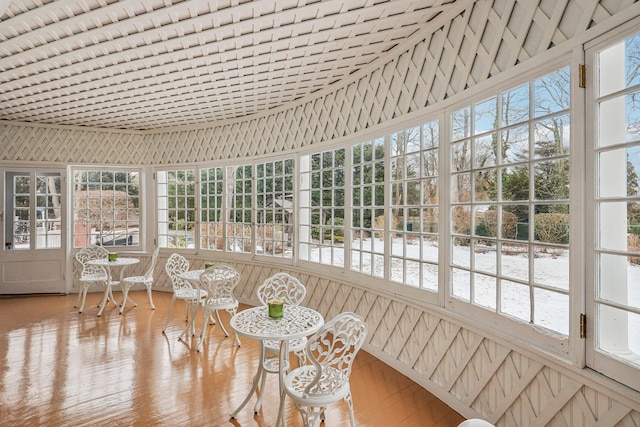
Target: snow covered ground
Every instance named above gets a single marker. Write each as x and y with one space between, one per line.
550 268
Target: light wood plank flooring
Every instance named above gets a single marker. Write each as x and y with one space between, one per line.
61 368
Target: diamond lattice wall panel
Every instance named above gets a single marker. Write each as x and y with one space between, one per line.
24 142
480 41
452 360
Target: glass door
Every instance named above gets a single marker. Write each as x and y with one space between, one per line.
33 229
613 334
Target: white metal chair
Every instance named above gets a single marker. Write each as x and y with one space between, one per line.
218 282
182 289
146 280
291 291
475 422
331 351
91 274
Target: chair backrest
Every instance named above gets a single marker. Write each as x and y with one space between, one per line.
175 265
332 351
154 261
282 286
219 281
89 253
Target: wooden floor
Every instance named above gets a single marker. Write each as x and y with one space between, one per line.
61 368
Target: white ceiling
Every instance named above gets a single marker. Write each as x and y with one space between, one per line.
149 64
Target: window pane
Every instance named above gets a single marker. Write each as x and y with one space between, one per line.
552 136
620 175
619 333
485 290
618 66
551 310
461 284
551 93
515 144
515 106
461 124
48 206
485 116
514 300
21 212
619 277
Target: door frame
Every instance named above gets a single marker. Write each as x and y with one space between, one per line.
32 270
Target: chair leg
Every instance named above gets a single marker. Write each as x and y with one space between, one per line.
193 317
226 334
84 297
187 311
164 328
191 305
125 293
203 333
148 285
105 298
113 299
309 416
79 296
232 312
349 401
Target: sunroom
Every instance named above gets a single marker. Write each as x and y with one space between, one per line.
463 174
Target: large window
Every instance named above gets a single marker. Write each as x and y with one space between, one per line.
414 206
176 208
322 207
510 203
367 205
240 209
615 343
212 208
106 208
274 208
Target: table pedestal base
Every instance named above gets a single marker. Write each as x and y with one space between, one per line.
284 350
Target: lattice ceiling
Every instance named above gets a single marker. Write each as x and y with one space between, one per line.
149 64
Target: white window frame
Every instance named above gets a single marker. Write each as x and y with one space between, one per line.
141 198
212 223
275 240
408 175
331 251
558 344
366 241
164 234
604 362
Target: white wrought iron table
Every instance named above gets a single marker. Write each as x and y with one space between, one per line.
296 322
192 276
122 263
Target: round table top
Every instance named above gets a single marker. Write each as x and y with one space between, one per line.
296 322
191 275
118 262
